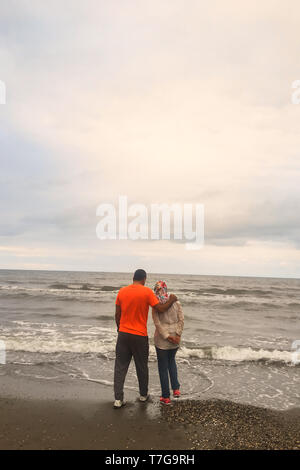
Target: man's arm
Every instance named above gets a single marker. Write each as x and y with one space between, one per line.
161 308
118 316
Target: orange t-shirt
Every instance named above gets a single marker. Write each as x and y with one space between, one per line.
134 301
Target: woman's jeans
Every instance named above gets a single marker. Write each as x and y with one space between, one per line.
167 365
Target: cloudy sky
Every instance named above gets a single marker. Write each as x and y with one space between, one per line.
162 101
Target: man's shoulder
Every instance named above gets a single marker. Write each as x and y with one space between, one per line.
141 289
124 288
148 290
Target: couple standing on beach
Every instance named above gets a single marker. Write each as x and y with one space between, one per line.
132 307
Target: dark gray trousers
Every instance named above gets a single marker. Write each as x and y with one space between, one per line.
129 345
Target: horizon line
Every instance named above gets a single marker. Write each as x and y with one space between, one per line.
148 273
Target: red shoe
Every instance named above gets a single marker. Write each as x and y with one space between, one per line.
165 401
176 393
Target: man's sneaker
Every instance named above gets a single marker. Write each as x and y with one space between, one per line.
119 403
143 399
176 393
165 401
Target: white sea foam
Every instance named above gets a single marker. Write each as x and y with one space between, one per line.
42 345
46 344
234 354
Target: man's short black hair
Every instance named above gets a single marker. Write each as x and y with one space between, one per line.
139 275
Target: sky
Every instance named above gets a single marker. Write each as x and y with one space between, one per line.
164 102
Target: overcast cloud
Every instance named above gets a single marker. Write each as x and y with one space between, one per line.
163 102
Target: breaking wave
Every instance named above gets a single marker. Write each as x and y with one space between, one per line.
90 343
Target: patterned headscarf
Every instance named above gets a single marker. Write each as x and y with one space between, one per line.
161 291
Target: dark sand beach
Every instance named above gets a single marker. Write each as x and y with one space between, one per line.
64 415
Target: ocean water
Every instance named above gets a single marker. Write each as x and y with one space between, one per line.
237 341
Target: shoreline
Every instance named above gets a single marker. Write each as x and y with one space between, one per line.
72 415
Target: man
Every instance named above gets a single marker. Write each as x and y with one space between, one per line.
132 307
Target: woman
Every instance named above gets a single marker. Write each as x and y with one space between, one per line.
168 330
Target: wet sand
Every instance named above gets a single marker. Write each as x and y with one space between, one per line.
72 415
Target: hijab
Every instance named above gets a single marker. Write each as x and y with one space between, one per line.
161 291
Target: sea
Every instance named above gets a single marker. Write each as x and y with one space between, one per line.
241 338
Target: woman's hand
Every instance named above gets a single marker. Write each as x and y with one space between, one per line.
174 339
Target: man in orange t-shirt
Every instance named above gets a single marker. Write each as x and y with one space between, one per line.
132 306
